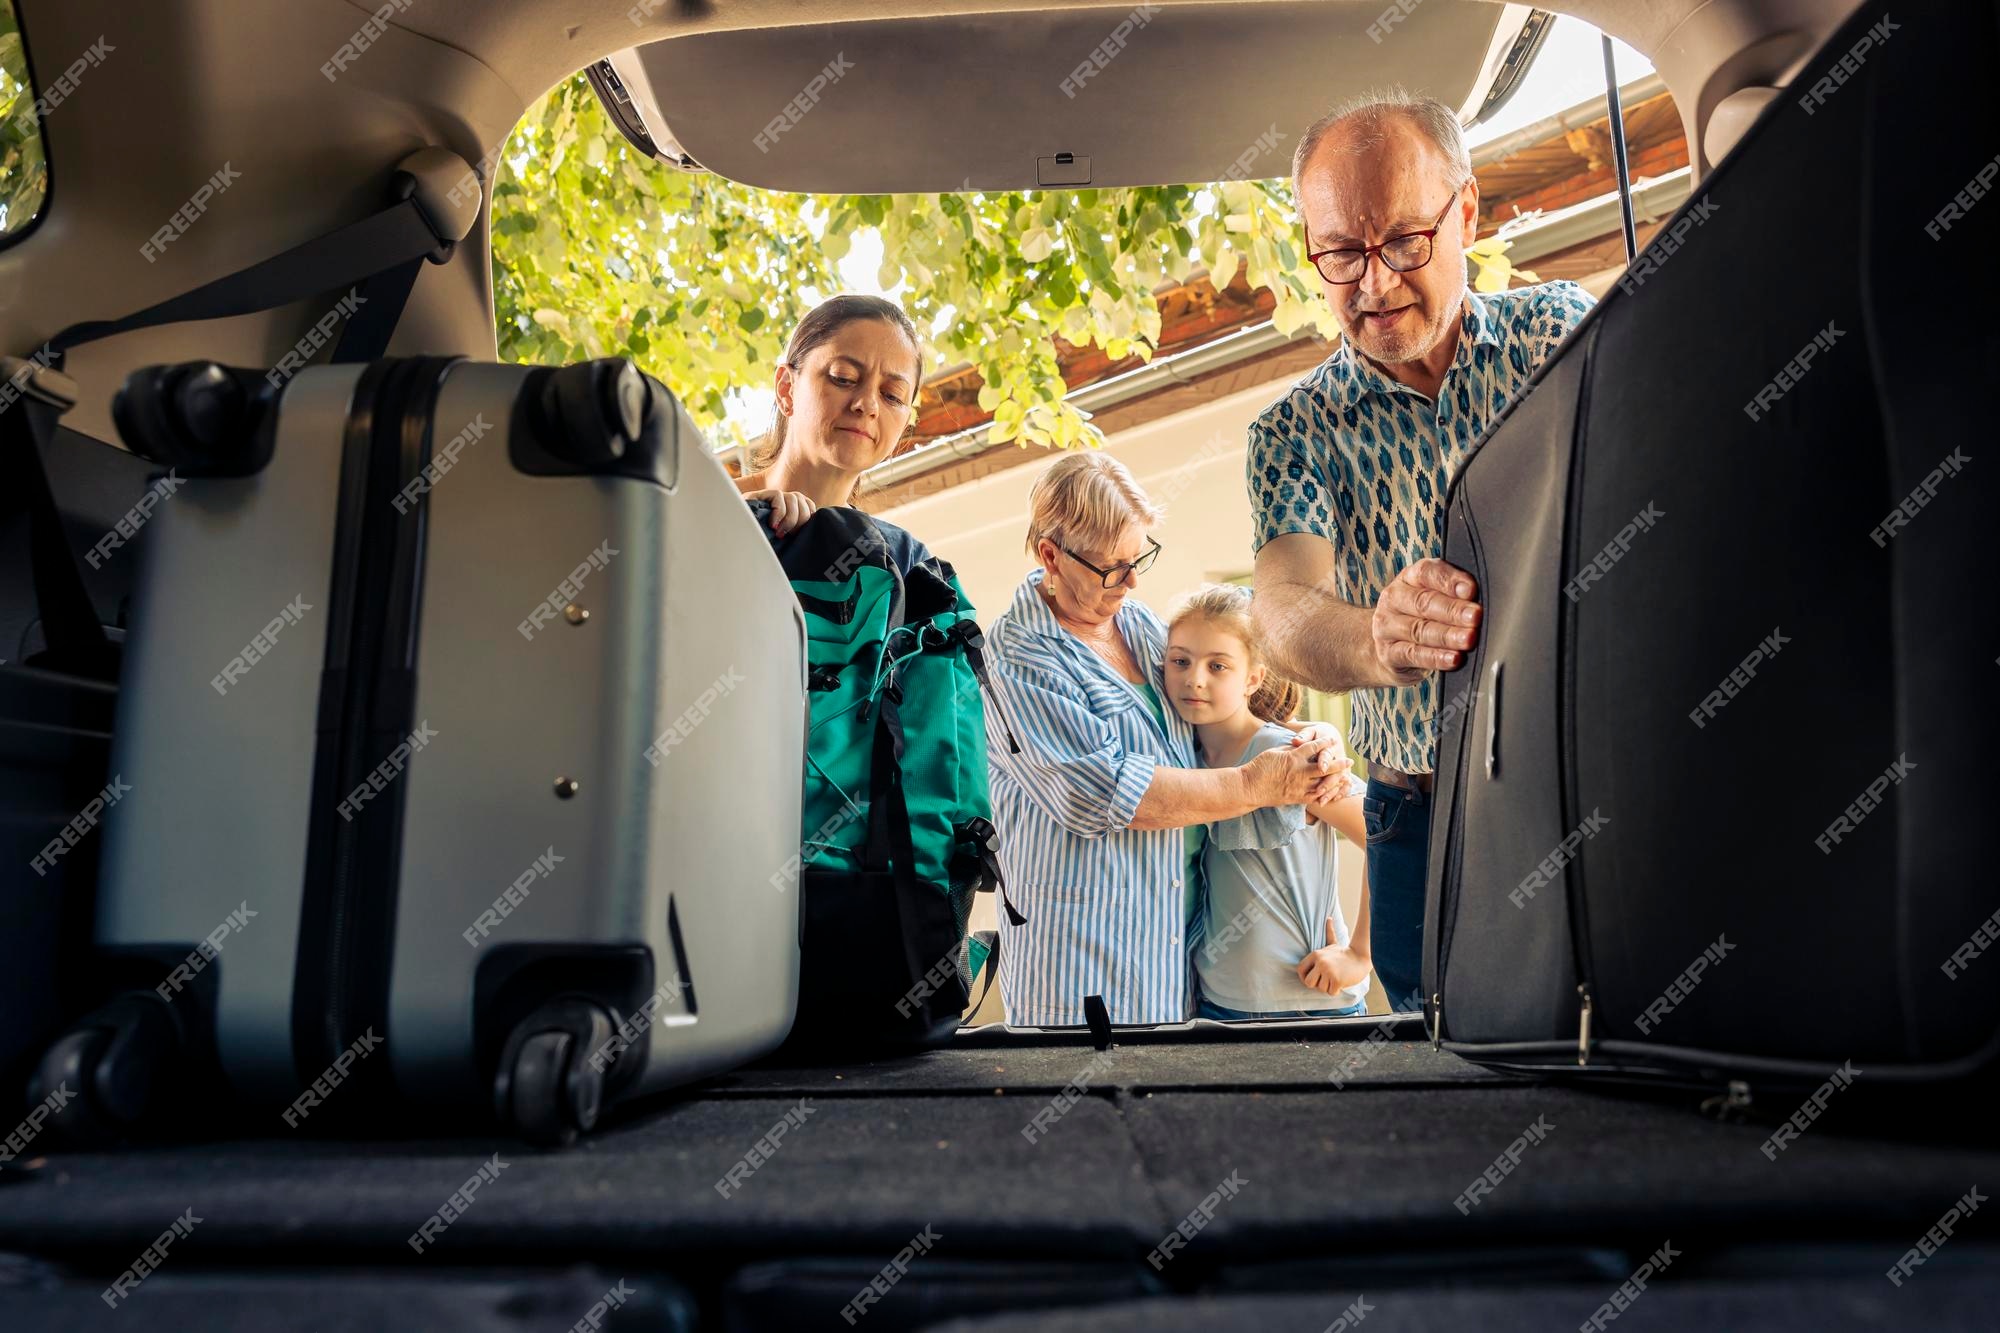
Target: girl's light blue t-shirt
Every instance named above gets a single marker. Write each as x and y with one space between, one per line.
1271 880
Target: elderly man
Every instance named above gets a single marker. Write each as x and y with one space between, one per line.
1347 471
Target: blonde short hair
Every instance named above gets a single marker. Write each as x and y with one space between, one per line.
1085 501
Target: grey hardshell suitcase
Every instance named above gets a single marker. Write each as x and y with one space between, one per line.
463 719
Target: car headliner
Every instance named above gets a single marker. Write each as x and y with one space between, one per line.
193 86
1173 94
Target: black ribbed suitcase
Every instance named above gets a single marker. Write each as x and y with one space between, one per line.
1716 809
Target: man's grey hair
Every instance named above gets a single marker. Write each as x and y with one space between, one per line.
1436 121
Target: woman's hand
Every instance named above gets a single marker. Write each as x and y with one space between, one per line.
1311 773
1336 967
789 509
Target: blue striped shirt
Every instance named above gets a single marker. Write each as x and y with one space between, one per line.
1103 901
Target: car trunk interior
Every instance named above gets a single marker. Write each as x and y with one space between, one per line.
1345 1136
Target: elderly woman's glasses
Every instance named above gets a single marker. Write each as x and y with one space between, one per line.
1400 254
1116 575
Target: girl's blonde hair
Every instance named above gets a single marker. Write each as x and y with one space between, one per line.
1228 605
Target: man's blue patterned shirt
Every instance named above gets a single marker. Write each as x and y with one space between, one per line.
1352 456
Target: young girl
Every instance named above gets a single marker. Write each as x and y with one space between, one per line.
1274 943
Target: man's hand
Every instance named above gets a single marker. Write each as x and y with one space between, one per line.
1425 621
1334 968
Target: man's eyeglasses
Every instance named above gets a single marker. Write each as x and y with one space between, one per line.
1116 576
1401 254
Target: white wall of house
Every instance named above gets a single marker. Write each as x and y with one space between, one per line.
1192 463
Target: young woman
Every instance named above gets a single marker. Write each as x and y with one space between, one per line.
1274 944
846 391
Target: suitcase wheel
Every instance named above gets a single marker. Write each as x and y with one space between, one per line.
594 411
108 1070
548 1089
198 417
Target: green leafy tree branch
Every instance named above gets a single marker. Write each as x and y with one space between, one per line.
24 177
599 252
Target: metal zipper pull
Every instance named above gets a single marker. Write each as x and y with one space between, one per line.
1583 1027
1731 1106
1437 1021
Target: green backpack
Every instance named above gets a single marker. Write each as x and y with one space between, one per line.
897 834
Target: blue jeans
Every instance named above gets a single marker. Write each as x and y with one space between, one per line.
1399 843
1209 1009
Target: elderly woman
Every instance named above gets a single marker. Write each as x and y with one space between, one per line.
1101 809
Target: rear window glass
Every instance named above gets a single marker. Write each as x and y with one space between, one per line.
24 171
1155 322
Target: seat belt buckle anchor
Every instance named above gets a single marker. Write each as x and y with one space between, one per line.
447 192
39 379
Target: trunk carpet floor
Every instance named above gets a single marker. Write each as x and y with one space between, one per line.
1047 1170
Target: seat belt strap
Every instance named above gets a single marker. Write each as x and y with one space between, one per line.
384 251
398 236
76 641
379 308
